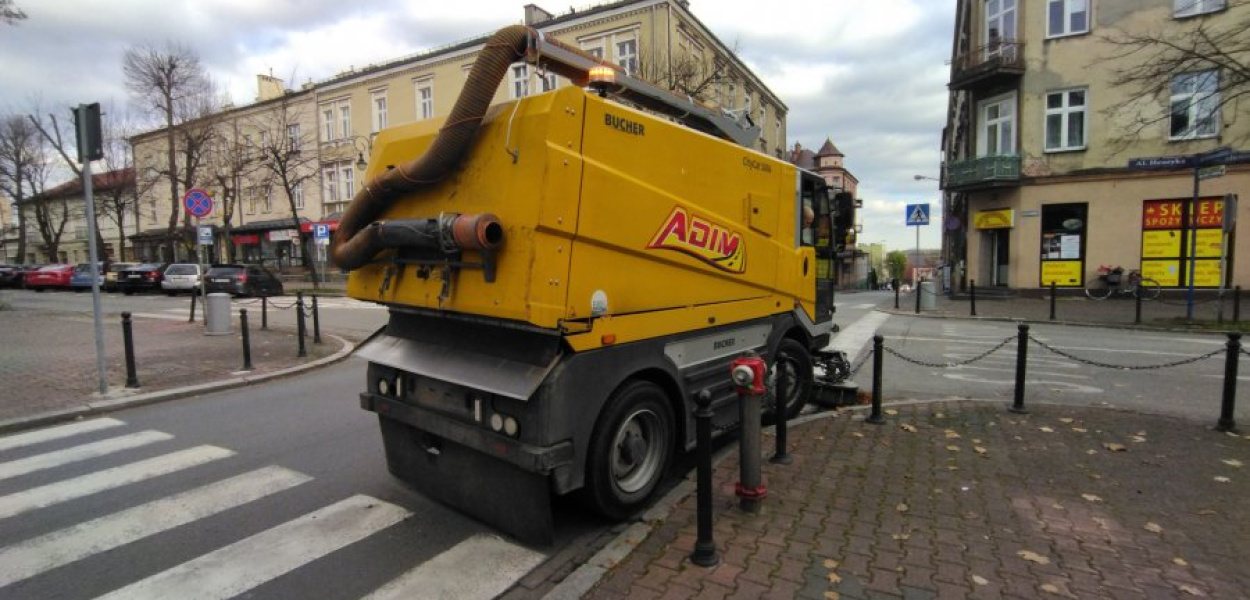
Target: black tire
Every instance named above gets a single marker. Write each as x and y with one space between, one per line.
630 450
1148 288
1100 293
798 363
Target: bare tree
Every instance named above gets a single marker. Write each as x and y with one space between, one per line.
1154 60
171 82
688 73
65 145
228 162
10 13
287 158
23 159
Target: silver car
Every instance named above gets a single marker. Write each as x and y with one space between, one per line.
182 277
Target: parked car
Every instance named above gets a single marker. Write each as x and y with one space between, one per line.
182 277
141 278
11 276
110 275
80 281
49 277
243 280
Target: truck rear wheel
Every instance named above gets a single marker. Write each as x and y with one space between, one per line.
797 362
630 449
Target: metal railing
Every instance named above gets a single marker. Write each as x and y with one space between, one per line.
984 169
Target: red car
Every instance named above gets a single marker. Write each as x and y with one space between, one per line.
51 276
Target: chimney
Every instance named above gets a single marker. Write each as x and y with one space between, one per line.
268 87
536 16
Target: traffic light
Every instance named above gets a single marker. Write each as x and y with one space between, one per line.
87 130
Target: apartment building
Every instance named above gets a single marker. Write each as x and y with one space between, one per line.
1069 145
57 229
336 119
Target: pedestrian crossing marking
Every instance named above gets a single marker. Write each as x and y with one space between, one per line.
80 453
99 481
244 565
479 568
59 548
56 433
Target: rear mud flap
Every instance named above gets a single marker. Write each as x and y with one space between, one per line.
490 490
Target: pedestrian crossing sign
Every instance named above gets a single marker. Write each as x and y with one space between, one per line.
917 214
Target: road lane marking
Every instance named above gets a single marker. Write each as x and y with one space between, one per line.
248 563
49 460
479 568
99 481
56 433
59 548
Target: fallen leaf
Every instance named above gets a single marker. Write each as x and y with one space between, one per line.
1092 497
830 563
1095 476
1050 588
1223 479
1153 528
1232 462
1191 590
1066 420
1141 433
891 412
832 596
1057 506
1114 447
951 435
980 450
1180 562
1017 438
1207 512
979 580
952 468
835 578
908 427
857 434
953 448
902 507
901 536
1033 557
939 416
976 441
1046 429
1080 430
1091 451
1137 439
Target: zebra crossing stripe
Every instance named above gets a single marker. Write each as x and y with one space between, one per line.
99 481
56 433
481 567
59 548
49 460
248 563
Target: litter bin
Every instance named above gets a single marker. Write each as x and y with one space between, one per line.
217 314
928 296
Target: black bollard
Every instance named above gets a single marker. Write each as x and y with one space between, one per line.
917 282
247 343
1052 301
1022 359
1226 422
128 339
876 418
316 323
704 553
896 292
299 323
192 319
781 456
1137 309
264 312
1236 304
972 289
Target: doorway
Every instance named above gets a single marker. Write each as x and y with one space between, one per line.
996 257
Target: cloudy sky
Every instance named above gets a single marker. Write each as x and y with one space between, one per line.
871 76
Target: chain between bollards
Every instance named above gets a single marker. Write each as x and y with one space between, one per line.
782 455
876 418
1022 359
973 291
132 377
704 553
1229 403
192 319
316 322
1052 300
247 340
301 329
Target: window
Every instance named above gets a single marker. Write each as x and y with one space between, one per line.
548 81
1000 23
292 137
379 110
249 200
425 98
297 195
1065 120
1063 244
1066 17
1187 8
327 123
345 120
997 126
594 48
627 55
1195 105
348 179
336 120
779 142
269 198
330 181
520 81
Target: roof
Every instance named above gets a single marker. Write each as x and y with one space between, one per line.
829 149
103 181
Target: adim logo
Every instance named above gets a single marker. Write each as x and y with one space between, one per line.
711 243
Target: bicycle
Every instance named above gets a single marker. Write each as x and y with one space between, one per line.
1116 281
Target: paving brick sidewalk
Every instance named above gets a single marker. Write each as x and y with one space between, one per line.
967 500
48 364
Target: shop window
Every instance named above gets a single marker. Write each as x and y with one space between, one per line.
1063 244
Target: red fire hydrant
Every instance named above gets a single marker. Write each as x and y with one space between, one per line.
748 375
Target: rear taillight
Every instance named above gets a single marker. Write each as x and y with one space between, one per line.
153 275
242 278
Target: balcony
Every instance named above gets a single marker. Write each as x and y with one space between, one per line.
983 172
996 63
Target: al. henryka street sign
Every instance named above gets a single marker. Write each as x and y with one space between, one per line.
1219 156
